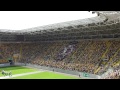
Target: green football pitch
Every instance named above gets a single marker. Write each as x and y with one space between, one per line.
19 72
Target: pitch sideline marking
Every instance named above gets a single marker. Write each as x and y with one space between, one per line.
54 71
17 75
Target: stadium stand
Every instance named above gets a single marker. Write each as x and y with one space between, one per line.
90 45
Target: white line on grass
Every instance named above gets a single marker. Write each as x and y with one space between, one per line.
54 71
17 75
60 73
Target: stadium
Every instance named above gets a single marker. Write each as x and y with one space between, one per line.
79 49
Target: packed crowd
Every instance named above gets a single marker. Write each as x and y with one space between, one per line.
66 51
115 74
83 56
86 57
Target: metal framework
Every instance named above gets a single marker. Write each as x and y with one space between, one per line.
105 25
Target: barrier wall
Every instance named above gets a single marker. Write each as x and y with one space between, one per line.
82 74
5 64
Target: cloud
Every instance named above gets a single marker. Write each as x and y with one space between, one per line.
17 20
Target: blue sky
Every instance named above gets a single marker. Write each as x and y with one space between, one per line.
18 20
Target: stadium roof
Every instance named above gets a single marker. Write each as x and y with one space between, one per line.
83 22
61 25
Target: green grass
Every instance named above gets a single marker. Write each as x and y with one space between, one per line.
16 69
46 75
41 75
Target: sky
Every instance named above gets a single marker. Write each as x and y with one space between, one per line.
18 20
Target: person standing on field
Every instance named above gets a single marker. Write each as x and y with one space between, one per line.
10 73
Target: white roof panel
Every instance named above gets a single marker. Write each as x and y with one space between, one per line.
62 25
